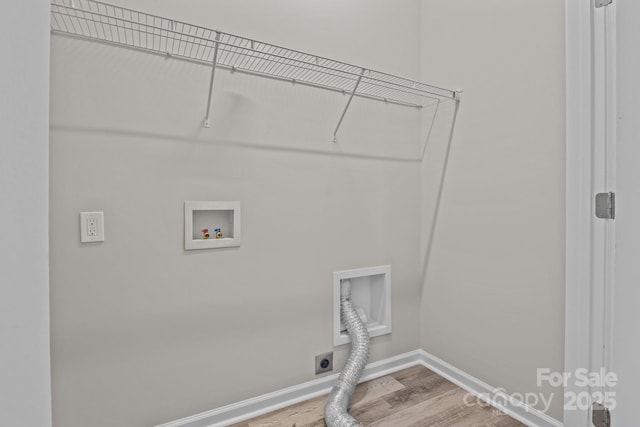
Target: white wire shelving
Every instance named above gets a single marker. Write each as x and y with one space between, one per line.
134 29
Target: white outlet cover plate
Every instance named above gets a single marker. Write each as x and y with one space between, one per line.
85 235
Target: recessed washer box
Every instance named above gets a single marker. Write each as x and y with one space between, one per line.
371 293
202 220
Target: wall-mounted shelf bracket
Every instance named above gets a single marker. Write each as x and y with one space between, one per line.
214 62
353 92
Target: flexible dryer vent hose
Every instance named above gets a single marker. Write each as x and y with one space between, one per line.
335 412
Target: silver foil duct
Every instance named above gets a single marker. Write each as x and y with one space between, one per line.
335 412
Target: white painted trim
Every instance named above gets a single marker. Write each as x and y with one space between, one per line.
610 123
579 104
266 403
492 395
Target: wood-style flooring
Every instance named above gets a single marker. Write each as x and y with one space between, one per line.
414 397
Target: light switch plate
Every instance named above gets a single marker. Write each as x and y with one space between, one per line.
91 227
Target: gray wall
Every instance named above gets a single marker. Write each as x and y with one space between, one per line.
144 332
25 391
137 319
493 297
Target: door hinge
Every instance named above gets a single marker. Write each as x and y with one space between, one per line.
600 416
601 3
606 205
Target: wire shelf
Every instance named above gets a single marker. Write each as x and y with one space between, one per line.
121 26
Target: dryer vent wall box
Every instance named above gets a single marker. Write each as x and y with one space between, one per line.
371 296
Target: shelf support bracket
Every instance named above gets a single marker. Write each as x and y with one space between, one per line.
353 92
433 121
207 117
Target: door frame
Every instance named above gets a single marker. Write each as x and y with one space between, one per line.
590 169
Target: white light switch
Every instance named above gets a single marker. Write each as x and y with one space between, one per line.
91 227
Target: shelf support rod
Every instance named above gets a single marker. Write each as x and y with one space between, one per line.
207 119
353 92
433 121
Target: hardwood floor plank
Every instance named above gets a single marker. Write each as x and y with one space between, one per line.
375 388
371 411
431 386
413 376
488 417
431 412
301 414
459 414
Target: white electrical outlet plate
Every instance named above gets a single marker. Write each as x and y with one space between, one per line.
91 227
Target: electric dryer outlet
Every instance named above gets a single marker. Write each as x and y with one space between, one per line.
324 363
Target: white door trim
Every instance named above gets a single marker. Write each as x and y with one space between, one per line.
590 111
578 194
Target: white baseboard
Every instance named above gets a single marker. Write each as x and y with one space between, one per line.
266 403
